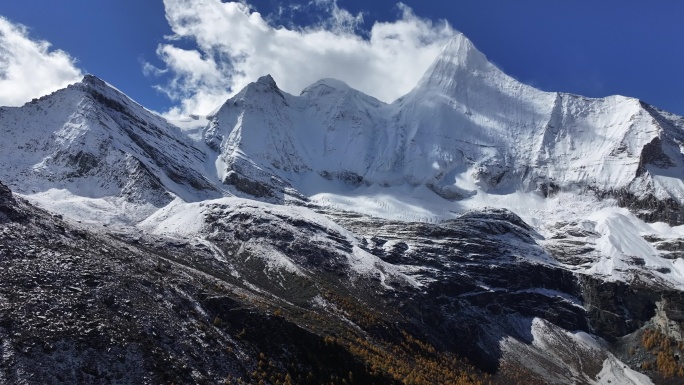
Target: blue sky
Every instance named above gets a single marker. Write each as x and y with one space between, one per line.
633 48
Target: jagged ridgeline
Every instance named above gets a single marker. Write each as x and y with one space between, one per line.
475 231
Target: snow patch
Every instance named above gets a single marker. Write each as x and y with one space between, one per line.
616 372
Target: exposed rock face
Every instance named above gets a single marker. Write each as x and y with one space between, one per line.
8 210
6 198
651 209
653 154
669 317
616 309
246 185
94 308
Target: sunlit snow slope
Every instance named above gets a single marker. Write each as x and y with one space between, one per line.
465 129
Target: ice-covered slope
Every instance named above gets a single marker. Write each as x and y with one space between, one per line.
89 145
466 129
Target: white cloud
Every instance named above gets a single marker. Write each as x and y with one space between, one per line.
28 68
235 45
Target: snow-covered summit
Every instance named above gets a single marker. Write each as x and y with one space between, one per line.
466 128
468 136
91 141
458 60
327 85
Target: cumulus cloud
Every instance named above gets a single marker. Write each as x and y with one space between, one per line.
232 45
28 68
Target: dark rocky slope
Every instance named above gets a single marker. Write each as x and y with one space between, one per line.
97 305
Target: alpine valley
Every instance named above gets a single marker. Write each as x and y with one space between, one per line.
475 231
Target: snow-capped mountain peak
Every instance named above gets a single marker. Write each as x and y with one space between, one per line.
458 59
466 128
327 83
462 71
265 85
92 80
92 141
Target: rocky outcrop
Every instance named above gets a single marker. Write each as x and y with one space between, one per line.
249 186
669 316
649 208
652 154
615 309
8 205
